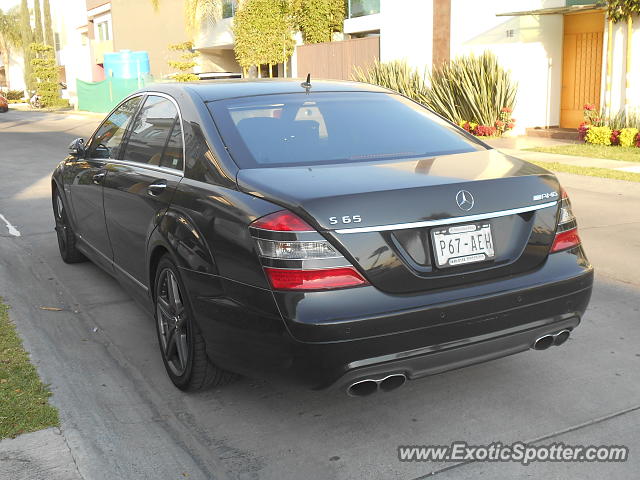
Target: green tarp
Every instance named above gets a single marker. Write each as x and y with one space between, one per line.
103 96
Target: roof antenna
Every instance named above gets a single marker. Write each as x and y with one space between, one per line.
307 84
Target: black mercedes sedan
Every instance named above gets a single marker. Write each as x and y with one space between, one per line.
335 234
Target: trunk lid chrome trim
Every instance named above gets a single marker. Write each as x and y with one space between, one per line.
447 221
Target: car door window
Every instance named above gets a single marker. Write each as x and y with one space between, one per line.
156 135
107 141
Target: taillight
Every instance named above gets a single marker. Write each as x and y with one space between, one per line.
567 230
297 257
327 278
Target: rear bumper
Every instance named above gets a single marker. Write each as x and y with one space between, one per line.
317 339
437 359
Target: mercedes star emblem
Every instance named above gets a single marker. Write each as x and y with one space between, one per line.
465 200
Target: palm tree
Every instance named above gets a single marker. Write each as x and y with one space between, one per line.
10 37
198 11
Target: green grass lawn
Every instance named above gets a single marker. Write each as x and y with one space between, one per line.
628 154
24 404
590 171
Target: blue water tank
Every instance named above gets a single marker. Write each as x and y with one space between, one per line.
126 64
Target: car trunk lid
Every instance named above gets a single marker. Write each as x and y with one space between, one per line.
382 215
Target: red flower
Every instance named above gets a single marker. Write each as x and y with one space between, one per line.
511 125
506 110
499 123
589 106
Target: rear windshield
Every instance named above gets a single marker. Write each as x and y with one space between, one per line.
332 127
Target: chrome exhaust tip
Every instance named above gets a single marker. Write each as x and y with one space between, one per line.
543 342
363 388
392 382
561 337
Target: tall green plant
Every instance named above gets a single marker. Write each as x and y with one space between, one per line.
471 88
185 64
26 40
45 74
39 32
263 32
48 31
318 19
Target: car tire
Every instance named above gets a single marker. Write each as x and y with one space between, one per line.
182 345
66 236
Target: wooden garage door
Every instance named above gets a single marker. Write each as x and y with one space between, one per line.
581 65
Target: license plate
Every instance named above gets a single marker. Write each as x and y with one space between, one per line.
462 244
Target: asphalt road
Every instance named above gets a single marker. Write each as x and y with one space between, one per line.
122 418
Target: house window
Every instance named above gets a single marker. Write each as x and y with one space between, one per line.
360 8
103 31
229 8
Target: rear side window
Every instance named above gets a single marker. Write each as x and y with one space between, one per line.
156 135
107 141
332 127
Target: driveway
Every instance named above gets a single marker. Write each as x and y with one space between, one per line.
122 418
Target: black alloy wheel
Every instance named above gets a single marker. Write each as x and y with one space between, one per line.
181 343
66 237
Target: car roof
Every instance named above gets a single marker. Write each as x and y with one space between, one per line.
212 90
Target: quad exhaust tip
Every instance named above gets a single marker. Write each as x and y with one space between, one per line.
363 388
547 341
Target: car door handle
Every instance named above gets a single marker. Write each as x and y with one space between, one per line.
156 188
98 177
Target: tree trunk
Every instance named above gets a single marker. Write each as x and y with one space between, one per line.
627 92
270 70
607 93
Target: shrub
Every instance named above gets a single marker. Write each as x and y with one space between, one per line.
474 90
599 135
471 88
397 76
485 131
582 131
615 137
14 95
45 74
628 136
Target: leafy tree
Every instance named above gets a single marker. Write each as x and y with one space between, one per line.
27 39
186 62
263 32
39 33
48 31
45 74
10 37
318 19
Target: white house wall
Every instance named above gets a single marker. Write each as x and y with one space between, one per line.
533 52
618 84
406 31
74 55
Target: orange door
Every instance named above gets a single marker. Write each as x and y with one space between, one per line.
581 65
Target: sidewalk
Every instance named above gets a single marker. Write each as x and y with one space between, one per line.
42 455
516 146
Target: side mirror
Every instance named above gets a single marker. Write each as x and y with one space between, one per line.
77 148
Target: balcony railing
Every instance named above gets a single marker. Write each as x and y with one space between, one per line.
360 8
